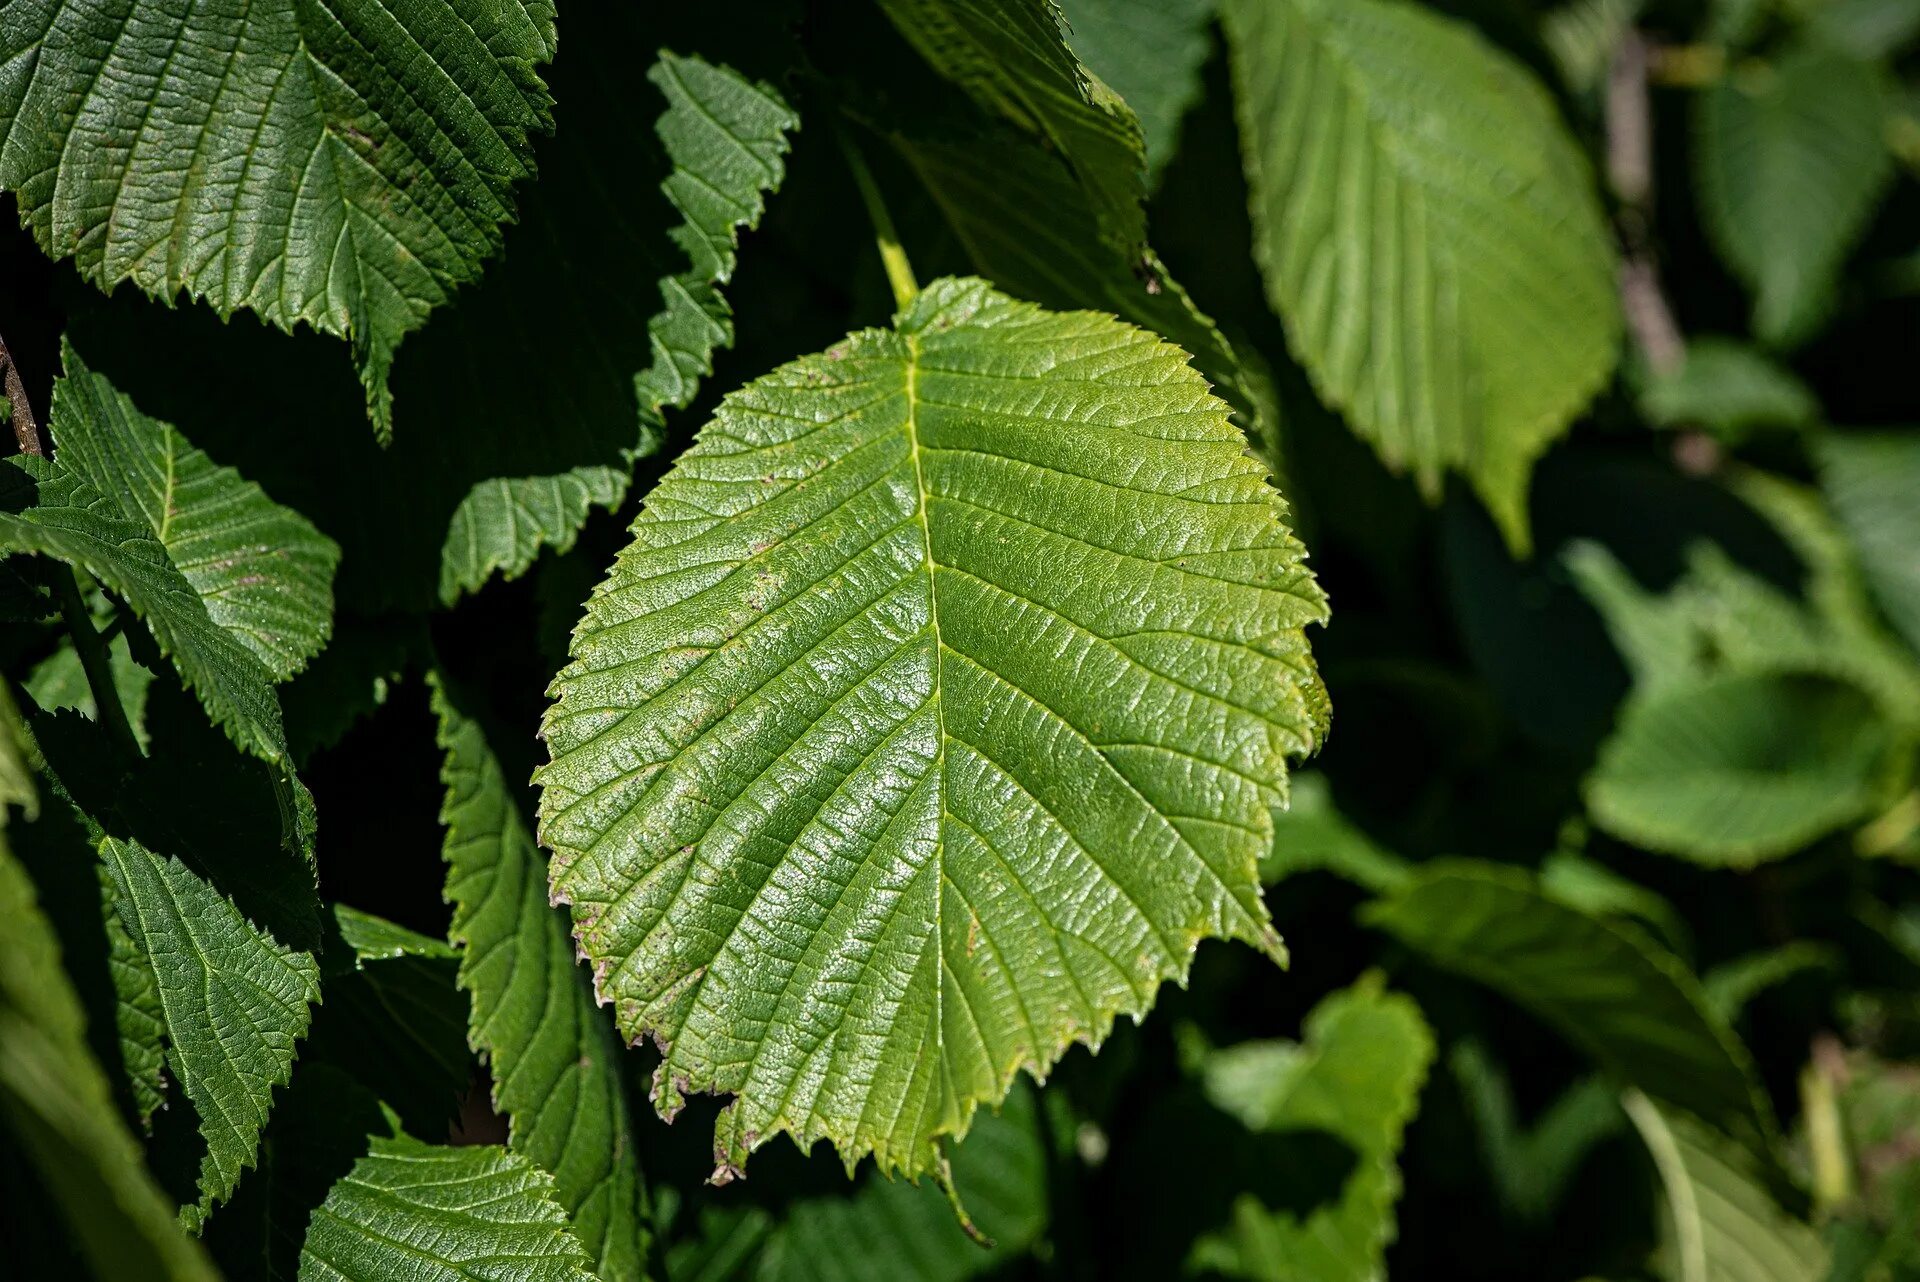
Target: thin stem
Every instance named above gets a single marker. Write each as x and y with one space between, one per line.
892 256
943 1176
1644 303
94 660
25 430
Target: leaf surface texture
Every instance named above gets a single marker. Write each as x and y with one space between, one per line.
876 774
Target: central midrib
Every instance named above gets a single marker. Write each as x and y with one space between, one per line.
921 495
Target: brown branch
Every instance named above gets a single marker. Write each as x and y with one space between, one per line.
1643 302
25 430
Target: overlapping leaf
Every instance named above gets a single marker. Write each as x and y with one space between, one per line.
1150 53
1312 834
1429 234
58 1110
1721 1224
265 573
1789 160
1739 768
1357 1076
1731 390
1530 1166
555 1061
338 163
1610 990
1870 480
607 300
891 1231
234 1004
1010 57
877 775
233 587
410 1210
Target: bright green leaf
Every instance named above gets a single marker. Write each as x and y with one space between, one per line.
1720 1223
1790 161
555 1061
1356 1075
139 1018
58 1111
334 162
413 1210
235 1003
1610 990
876 775
1429 234
1737 769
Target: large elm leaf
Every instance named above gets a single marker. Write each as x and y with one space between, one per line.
1357 1076
1870 480
1429 234
1790 161
58 1111
1739 768
555 1061
1010 57
234 1003
264 572
413 1210
1719 1222
932 717
1629 1004
342 163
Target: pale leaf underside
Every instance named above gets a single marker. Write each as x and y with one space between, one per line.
1428 232
934 715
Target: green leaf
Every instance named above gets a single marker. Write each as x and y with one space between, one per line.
1610 990
1010 57
234 1002
555 1061
1356 1075
1731 390
1530 1166
1312 834
413 1210
1028 227
1737 769
1598 891
59 680
139 1017
58 1110
1150 53
1731 985
264 572
1790 162
1721 1224
1864 28
341 164
874 778
907 1233
47 510
1429 234
1870 480
608 296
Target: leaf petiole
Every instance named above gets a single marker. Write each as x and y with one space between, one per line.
94 661
892 255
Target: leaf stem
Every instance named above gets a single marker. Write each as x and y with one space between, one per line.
892 256
25 431
943 1176
94 660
